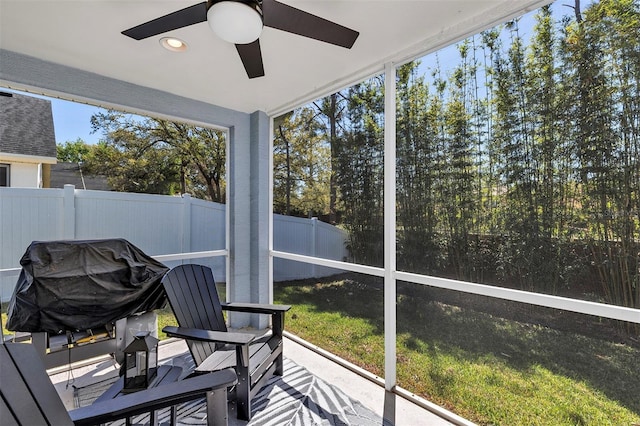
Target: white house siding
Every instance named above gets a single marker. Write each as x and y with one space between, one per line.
27 138
25 175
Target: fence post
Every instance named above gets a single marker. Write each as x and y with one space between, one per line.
186 223
314 243
69 212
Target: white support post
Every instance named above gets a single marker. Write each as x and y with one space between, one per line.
239 285
389 226
227 216
259 205
270 216
248 218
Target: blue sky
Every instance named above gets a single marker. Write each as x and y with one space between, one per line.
72 121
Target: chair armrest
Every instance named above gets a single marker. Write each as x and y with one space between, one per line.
153 399
209 336
276 311
255 308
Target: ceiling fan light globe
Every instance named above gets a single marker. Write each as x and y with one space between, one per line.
235 22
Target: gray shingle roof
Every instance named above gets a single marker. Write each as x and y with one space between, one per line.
26 125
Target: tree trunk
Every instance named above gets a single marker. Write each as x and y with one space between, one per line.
288 166
332 115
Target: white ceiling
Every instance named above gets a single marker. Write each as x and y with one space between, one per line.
85 34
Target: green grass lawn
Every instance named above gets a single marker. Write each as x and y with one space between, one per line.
486 368
483 365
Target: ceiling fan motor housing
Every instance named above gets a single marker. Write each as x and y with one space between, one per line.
237 22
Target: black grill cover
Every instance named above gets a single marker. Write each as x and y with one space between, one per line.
80 285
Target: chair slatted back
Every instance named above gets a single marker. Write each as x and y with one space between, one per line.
27 396
192 294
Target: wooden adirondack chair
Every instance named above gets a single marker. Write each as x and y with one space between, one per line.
194 299
27 396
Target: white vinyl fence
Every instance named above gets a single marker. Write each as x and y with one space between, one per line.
157 224
309 237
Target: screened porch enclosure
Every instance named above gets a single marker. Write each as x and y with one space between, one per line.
426 271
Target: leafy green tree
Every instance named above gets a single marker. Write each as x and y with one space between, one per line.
154 172
459 182
518 164
603 50
72 152
360 171
301 164
331 109
201 152
172 157
416 195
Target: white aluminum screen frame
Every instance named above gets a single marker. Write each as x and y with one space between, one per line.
389 196
391 275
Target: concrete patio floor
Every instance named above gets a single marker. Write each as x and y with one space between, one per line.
371 395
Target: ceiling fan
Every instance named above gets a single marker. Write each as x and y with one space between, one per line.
241 22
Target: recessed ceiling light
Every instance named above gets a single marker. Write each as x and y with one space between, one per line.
173 44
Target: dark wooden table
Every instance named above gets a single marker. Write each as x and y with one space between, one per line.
166 374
